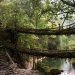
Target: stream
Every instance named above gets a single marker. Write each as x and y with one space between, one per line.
67 68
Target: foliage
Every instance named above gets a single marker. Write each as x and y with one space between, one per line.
26 57
42 67
53 42
66 42
41 14
25 41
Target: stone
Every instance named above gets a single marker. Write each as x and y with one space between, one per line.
2 73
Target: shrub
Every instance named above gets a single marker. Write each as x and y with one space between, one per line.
42 67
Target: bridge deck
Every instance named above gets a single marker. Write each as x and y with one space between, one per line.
47 53
40 31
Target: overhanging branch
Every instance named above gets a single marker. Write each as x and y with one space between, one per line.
67 3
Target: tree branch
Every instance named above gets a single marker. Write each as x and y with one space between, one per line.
45 11
64 20
67 3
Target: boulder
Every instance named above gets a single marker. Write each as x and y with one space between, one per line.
55 71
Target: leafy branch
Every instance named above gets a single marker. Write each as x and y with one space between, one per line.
68 3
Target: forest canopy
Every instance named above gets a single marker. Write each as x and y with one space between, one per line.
39 14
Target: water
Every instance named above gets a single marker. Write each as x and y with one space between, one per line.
67 68
71 73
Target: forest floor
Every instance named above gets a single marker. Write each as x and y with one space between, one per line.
8 68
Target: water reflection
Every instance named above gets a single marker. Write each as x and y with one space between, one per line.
67 67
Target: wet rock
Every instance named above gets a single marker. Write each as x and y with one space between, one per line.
55 71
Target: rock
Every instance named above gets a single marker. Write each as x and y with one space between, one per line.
1 73
8 68
55 71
